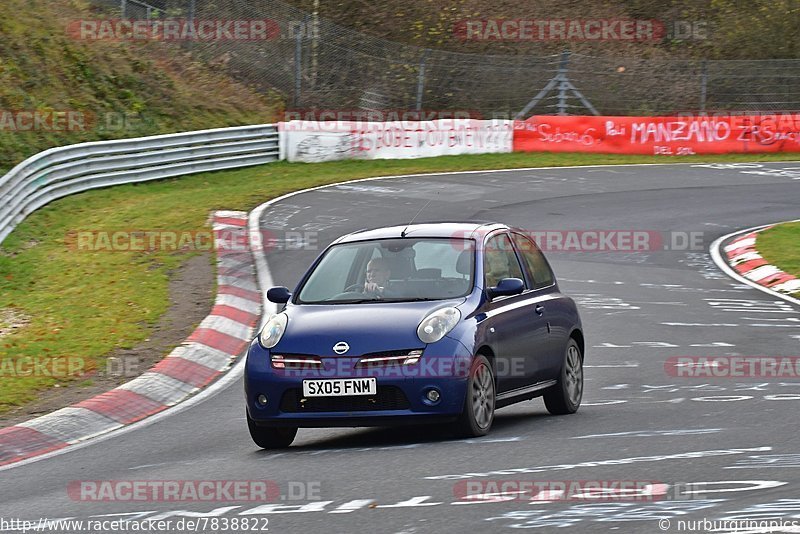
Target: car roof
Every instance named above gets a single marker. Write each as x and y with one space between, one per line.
458 230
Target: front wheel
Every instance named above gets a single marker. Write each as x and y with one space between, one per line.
565 397
271 437
478 414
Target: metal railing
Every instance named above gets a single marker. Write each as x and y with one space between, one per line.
135 8
63 171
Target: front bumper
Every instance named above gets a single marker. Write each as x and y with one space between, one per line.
401 395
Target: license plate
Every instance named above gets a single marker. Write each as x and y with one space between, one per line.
340 387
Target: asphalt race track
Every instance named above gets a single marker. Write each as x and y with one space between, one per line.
638 421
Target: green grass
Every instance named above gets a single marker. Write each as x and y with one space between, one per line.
84 304
781 247
122 89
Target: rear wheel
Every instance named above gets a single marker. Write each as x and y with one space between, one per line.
565 397
478 414
271 437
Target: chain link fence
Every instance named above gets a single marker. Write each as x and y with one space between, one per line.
317 64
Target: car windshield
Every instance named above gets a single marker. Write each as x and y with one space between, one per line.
391 270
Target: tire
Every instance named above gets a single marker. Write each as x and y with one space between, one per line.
565 397
271 437
479 402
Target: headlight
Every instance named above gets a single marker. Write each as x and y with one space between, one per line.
273 330
436 325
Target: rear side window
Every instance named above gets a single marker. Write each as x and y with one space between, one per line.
533 260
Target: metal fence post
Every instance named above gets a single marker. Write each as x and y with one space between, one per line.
298 64
563 86
560 81
122 7
703 85
421 78
314 43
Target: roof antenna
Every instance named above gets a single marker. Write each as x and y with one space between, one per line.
403 233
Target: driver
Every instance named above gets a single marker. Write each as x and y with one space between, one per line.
377 276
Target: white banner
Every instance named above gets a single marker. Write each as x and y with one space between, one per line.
307 141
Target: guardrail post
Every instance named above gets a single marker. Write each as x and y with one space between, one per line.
421 78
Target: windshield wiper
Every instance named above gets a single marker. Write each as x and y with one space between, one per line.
348 301
410 299
373 299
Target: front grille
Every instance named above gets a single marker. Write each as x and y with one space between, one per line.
389 358
388 398
388 353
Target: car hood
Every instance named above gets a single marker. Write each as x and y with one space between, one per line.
366 328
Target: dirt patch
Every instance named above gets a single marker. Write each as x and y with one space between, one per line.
191 294
12 320
26 245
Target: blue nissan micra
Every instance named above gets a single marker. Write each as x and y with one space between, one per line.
434 322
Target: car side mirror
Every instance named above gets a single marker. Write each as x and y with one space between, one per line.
507 286
279 295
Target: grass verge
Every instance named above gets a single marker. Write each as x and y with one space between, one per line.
84 305
113 88
781 247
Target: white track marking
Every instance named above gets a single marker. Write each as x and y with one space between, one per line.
716 255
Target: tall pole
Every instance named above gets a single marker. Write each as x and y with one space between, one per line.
563 85
314 43
421 78
298 65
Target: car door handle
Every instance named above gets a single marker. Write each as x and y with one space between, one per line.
539 309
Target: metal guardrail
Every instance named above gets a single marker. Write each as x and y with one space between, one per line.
63 171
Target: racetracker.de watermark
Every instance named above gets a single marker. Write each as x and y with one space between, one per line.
635 30
345 119
174 30
37 120
395 127
68 367
601 240
410 365
186 491
204 240
70 120
475 490
783 367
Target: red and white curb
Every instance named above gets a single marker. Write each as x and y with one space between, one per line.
743 256
208 352
739 259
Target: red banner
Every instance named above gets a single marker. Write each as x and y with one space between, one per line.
670 136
